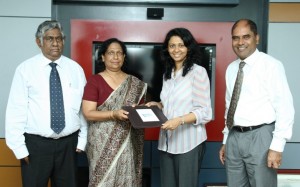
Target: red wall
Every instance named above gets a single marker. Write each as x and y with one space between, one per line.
84 32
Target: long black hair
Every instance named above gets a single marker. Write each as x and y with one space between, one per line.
100 66
194 55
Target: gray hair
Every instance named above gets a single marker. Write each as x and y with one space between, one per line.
48 25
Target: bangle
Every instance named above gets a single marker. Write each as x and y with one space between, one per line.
112 115
161 105
182 120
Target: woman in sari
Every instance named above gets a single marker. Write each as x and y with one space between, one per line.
114 148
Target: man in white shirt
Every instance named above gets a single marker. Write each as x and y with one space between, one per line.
46 153
264 116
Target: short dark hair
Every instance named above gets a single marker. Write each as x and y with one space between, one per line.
249 22
100 66
193 54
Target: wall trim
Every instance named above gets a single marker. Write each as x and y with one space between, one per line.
284 12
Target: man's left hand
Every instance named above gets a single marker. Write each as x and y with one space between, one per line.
274 159
78 150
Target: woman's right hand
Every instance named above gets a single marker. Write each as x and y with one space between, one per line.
153 103
120 115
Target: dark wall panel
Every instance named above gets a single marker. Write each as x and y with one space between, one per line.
85 32
256 10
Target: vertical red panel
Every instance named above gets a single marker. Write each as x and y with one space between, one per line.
85 32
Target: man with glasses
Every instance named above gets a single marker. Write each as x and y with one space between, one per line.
44 124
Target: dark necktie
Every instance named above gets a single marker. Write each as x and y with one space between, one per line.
56 101
235 96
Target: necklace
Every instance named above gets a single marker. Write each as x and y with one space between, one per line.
175 70
116 75
116 78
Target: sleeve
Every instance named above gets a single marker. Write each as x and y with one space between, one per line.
16 115
201 96
91 91
82 136
282 102
227 103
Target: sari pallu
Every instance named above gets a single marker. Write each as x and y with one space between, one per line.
114 148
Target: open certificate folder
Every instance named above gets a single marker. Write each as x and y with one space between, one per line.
145 117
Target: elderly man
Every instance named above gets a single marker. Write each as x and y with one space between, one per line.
44 124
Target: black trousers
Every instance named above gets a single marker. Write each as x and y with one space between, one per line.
53 159
181 170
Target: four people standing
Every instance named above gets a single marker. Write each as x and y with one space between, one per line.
262 123
259 113
47 151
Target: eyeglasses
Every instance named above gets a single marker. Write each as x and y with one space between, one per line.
113 53
50 39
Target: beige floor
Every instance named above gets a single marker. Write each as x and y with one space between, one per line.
285 180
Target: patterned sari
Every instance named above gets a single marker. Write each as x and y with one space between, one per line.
115 149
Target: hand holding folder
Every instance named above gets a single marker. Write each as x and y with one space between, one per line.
145 117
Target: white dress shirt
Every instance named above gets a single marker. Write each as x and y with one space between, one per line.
265 97
28 108
180 96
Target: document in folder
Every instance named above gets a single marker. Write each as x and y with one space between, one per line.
145 117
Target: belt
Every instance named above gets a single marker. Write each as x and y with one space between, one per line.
49 138
250 128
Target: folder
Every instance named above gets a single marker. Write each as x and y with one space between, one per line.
145 117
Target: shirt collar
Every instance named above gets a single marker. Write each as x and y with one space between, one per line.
178 73
250 60
45 61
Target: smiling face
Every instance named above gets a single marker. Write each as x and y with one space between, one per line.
113 57
244 41
52 45
177 49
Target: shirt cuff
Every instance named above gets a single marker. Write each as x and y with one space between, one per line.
81 143
21 152
225 134
225 139
277 144
197 121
